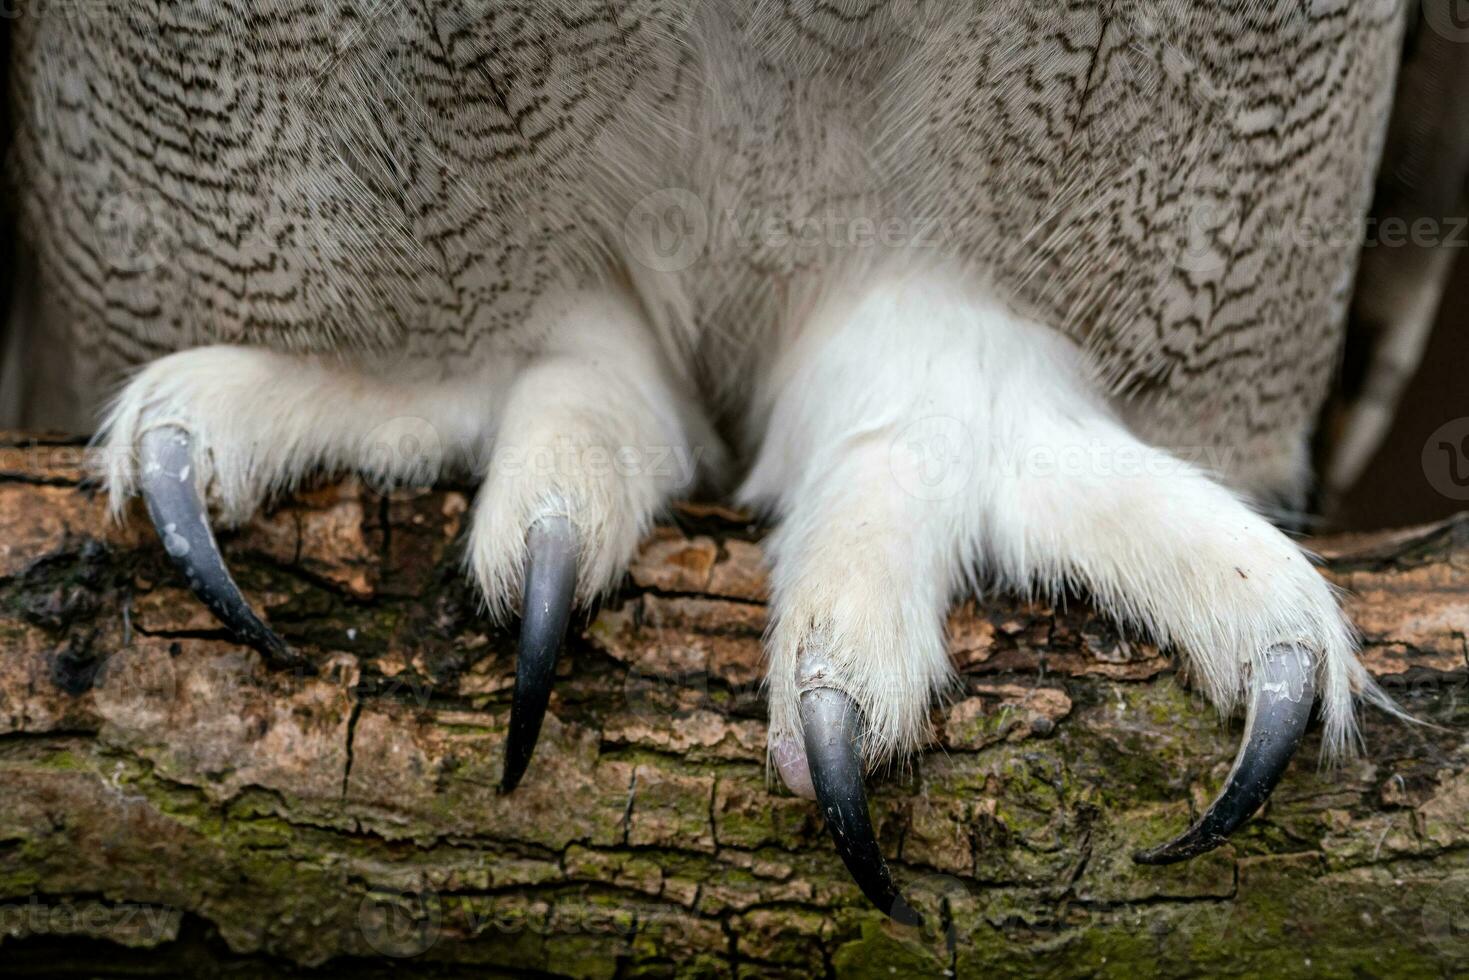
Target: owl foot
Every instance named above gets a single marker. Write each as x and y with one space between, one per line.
924 439
593 442
232 426
580 440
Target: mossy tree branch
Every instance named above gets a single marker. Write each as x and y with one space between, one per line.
164 792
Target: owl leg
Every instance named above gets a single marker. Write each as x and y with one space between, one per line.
922 437
594 440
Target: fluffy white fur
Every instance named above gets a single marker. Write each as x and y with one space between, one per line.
593 429
261 421
923 439
588 424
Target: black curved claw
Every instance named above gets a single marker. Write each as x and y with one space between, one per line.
550 585
833 726
183 525
1284 691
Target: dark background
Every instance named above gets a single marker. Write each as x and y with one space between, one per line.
1394 490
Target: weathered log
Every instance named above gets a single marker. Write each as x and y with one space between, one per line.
167 803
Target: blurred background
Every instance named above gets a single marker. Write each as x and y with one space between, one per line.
1393 446
1394 489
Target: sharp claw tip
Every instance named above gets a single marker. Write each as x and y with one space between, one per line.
517 756
181 519
833 725
550 591
274 648
1183 848
1272 735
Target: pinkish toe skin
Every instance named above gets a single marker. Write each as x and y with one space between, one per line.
790 760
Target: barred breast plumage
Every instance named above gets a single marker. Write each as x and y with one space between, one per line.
1177 185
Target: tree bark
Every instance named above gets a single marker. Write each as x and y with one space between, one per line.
171 804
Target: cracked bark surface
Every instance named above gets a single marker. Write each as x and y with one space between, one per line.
169 805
